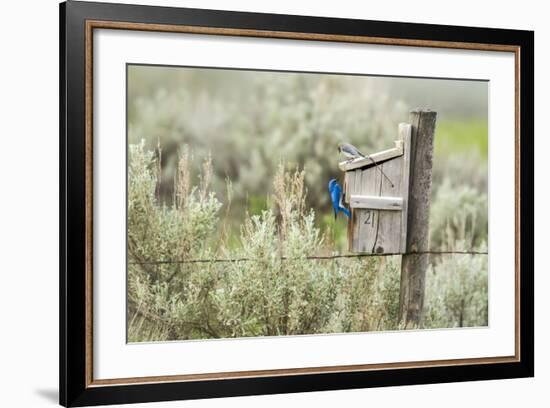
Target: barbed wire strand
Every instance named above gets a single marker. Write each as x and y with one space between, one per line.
283 258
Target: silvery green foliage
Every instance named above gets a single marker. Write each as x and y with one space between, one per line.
369 296
269 289
159 232
458 169
458 216
457 285
457 292
178 212
296 117
164 298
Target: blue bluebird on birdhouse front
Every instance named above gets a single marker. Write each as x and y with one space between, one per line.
335 192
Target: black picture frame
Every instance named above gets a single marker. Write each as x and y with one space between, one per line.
75 387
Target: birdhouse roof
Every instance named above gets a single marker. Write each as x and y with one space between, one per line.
379 157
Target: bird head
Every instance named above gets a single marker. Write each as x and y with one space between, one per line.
331 183
340 148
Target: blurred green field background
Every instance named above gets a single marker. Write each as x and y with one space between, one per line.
249 121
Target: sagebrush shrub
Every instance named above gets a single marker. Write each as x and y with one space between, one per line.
458 217
271 287
457 292
457 285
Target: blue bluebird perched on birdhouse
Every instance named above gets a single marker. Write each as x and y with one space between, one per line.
336 197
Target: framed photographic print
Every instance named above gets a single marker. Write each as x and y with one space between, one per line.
256 203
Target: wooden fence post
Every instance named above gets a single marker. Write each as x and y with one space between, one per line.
414 266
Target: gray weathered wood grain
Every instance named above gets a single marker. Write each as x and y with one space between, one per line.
368 219
388 237
376 203
377 218
405 130
414 266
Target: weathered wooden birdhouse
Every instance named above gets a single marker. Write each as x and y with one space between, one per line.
376 188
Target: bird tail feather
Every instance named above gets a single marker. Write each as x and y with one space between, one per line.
345 211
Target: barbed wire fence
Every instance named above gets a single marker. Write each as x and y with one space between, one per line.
313 258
